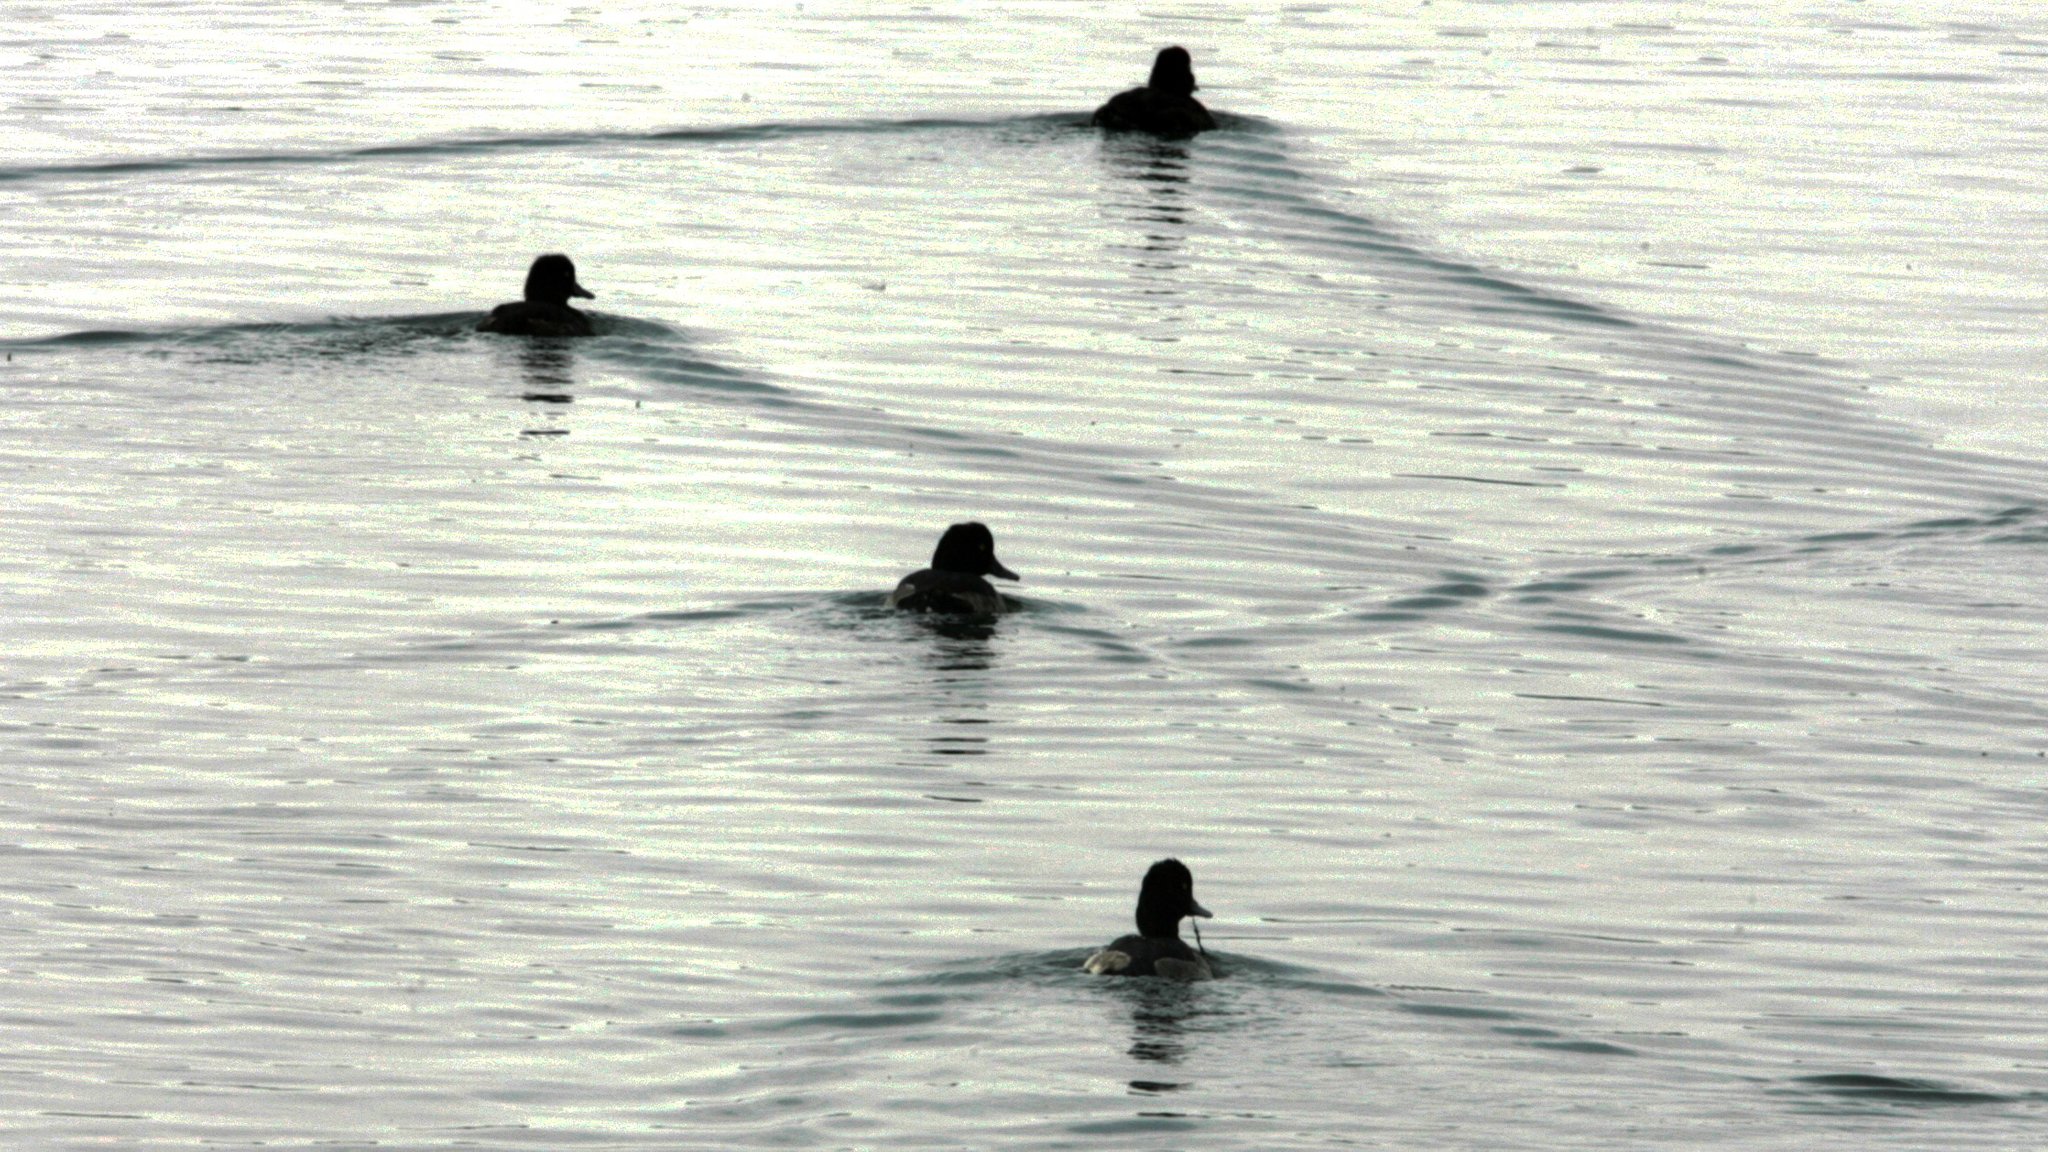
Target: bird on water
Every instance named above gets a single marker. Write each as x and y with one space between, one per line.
1167 895
1165 106
955 581
545 310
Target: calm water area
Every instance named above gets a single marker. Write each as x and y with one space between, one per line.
1541 511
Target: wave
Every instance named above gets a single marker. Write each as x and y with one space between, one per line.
435 323
1698 401
1252 152
473 145
1863 1088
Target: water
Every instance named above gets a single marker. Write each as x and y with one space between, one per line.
1538 512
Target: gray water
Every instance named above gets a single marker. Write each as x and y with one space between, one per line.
1539 512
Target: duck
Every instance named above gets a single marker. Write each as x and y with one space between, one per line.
545 311
1165 106
1167 894
954 583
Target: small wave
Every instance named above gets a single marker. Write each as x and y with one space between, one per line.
469 146
855 1021
339 338
652 353
1869 1088
1280 186
1459 1011
1061 965
1606 632
1144 1123
2002 525
341 329
632 342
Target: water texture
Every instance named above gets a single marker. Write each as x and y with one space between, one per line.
1537 511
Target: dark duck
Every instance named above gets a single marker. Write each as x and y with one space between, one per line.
954 582
1157 950
545 311
1165 106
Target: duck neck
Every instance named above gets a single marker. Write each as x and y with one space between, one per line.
1155 924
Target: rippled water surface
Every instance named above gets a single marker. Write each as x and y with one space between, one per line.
1538 511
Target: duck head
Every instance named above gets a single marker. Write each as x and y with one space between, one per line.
1173 73
969 548
1167 895
552 280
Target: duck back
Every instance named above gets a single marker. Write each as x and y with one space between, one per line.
1134 955
1162 114
936 590
536 318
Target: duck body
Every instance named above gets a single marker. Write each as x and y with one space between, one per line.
1143 110
1136 955
956 582
531 318
1165 106
1167 895
545 311
933 590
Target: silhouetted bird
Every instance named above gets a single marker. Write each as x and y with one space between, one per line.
966 553
545 311
1157 950
1165 106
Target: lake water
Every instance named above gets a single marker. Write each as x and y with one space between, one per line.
1540 511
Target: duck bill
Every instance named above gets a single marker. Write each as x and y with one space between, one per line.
1195 909
580 290
995 568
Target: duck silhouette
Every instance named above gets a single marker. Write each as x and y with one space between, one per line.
545 311
954 583
1167 895
1165 106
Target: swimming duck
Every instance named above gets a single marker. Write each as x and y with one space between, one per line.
1165 106
966 553
545 311
1157 950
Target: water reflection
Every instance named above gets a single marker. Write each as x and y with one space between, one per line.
962 642
960 656
961 745
547 365
1157 162
1160 1013
1160 169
